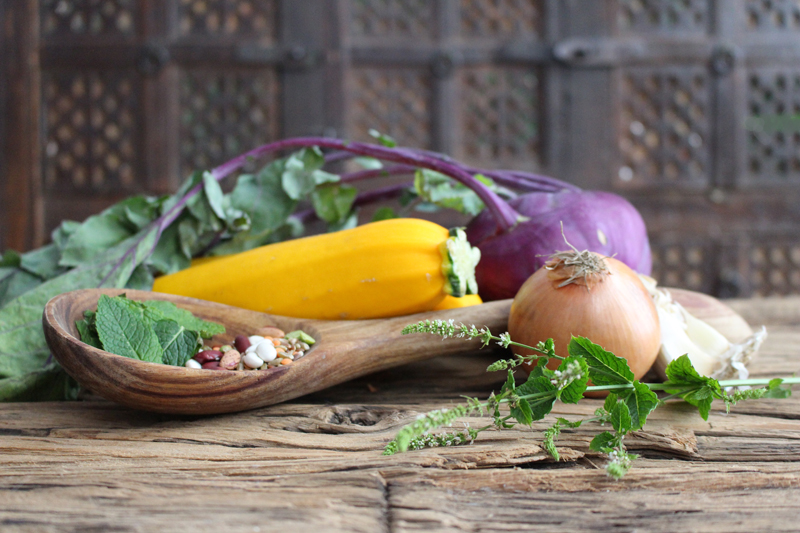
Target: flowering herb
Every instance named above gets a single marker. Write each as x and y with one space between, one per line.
626 408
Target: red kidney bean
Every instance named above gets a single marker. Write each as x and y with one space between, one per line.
212 365
207 356
241 343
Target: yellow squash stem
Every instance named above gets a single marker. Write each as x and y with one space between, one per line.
387 268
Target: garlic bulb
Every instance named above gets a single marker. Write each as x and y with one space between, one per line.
711 353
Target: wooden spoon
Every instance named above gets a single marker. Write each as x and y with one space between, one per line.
344 350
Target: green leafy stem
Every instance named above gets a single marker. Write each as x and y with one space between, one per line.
626 407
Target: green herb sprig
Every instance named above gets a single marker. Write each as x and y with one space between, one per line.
626 408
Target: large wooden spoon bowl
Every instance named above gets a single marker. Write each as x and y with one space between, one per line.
344 350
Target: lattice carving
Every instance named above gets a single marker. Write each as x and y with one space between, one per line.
645 16
226 113
92 129
500 18
253 19
69 18
500 116
392 18
395 102
773 139
775 269
770 15
664 125
684 266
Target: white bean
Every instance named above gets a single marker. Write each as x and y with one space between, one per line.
255 339
251 360
191 363
266 351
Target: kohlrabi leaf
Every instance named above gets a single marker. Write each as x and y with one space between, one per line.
262 197
438 189
168 256
332 203
95 235
15 282
301 173
605 368
49 383
382 138
22 345
383 213
43 262
123 330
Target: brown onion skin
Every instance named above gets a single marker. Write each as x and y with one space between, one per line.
617 313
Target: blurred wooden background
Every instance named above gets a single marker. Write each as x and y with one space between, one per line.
690 108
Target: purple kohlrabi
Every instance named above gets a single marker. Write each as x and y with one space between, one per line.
598 221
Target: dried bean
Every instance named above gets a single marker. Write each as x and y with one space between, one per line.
242 343
212 365
230 360
207 356
271 331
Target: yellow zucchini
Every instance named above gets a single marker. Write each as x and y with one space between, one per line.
451 302
387 268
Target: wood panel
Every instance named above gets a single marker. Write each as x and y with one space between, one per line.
315 463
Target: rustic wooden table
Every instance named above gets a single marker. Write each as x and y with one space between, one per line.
315 464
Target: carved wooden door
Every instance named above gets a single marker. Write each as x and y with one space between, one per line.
684 106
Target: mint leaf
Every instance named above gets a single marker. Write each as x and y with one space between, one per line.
573 392
611 402
641 401
681 372
695 389
540 369
178 344
155 310
124 331
774 390
522 412
540 406
621 418
603 442
510 384
551 433
88 332
605 368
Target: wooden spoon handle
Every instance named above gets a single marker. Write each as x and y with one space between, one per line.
373 345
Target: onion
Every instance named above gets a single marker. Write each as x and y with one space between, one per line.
586 294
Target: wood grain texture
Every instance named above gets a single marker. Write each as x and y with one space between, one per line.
344 350
315 463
